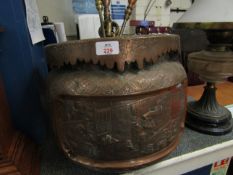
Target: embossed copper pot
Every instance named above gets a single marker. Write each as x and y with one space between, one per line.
117 112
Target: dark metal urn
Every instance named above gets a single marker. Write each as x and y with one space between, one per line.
117 111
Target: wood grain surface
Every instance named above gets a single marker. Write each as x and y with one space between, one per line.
18 155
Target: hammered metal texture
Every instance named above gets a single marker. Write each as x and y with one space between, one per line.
119 130
137 49
110 120
91 81
101 116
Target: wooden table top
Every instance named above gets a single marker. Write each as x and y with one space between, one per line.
224 92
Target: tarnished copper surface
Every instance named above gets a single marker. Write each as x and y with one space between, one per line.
137 49
212 66
111 120
91 81
127 122
120 133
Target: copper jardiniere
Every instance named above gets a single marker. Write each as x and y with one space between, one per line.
117 112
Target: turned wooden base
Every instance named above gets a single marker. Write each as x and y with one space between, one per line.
22 158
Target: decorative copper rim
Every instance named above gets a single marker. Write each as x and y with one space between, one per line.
205 26
139 49
95 88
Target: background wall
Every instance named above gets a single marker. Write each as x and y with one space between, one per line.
59 11
62 11
178 4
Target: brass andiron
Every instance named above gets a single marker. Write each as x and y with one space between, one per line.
99 7
107 15
108 27
128 13
111 27
107 18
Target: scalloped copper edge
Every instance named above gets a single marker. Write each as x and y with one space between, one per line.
132 49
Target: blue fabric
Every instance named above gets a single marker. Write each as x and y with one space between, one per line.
22 67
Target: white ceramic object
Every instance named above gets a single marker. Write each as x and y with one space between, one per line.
61 33
204 11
